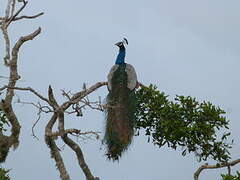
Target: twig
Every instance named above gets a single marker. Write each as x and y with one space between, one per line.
229 170
13 7
28 17
27 89
66 94
40 110
4 77
78 96
89 104
39 106
35 123
206 166
7 11
75 132
16 14
141 85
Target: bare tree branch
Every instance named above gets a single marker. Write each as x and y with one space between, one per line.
7 57
93 105
28 89
28 17
11 61
15 130
78 96
52 99
81 161
35 123
76 132
55 154
217 166
13 7
49 135
45 109
23 40
7 11
16 14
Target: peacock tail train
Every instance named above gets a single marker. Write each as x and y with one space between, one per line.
120 109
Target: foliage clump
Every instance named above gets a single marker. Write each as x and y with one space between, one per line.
230 177
4 174
184 123
4 148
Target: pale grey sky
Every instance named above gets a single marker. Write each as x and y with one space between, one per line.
184 47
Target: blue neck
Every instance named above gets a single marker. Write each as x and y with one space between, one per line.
121 56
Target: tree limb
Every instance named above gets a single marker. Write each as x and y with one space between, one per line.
28 89
206 166
76 132
13 7
7 11
55 154
7 57
28 17
22 40
15 15
81 161
11 62
78 96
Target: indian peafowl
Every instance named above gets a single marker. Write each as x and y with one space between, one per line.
121 105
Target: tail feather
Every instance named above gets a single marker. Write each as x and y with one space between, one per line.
120 115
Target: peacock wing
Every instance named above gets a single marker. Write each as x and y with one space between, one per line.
110 76
132 77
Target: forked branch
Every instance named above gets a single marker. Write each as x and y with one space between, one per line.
216 166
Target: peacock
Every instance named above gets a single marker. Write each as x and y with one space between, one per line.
120 105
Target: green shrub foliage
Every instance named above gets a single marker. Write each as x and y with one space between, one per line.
4 148
230 177
4 174
184 123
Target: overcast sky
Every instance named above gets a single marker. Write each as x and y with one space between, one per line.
184 47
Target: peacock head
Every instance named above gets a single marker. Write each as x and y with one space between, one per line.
122 43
